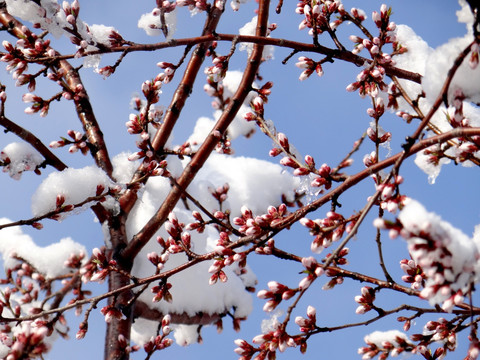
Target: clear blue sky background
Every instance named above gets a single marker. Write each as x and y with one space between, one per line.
319 117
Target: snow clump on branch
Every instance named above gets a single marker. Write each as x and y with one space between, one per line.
449 258
19 157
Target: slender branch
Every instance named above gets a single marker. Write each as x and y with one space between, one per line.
54 214
30 138
344 55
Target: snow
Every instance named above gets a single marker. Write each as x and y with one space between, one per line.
379 338
432 170
249 29
48 260
54 20
450 259
152 25
438 64
75 185
202 128
21 157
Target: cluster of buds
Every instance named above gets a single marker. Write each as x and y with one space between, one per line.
216 90
355 15
369 81
376 133
437 331
413 274
151 89
340 259
162 292
145 149
325 230
165 5
29 162
99 266
220 193
313 270
323 175
198 225
275 294
390 199
274 340
324 178
161 341
218 70
158 260
179 240
467 148
358 14
365 300
224 144
435 154
28 282
404 115
61 207
266 249
309 67
111 312
75 260
194 5
335 276
382 19
307 324
78 142
71 12
317 17
27 341
106 71
136 124
370 159
26 48
255 226
226 257
39 105
217 273
244 349
168 71
257 106
124 345
155 168
385 344
265 91
378 108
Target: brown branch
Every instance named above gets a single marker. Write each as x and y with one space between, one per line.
143 310
54 213
344 55
201 156
30 138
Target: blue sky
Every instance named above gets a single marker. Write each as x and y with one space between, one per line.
319 117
